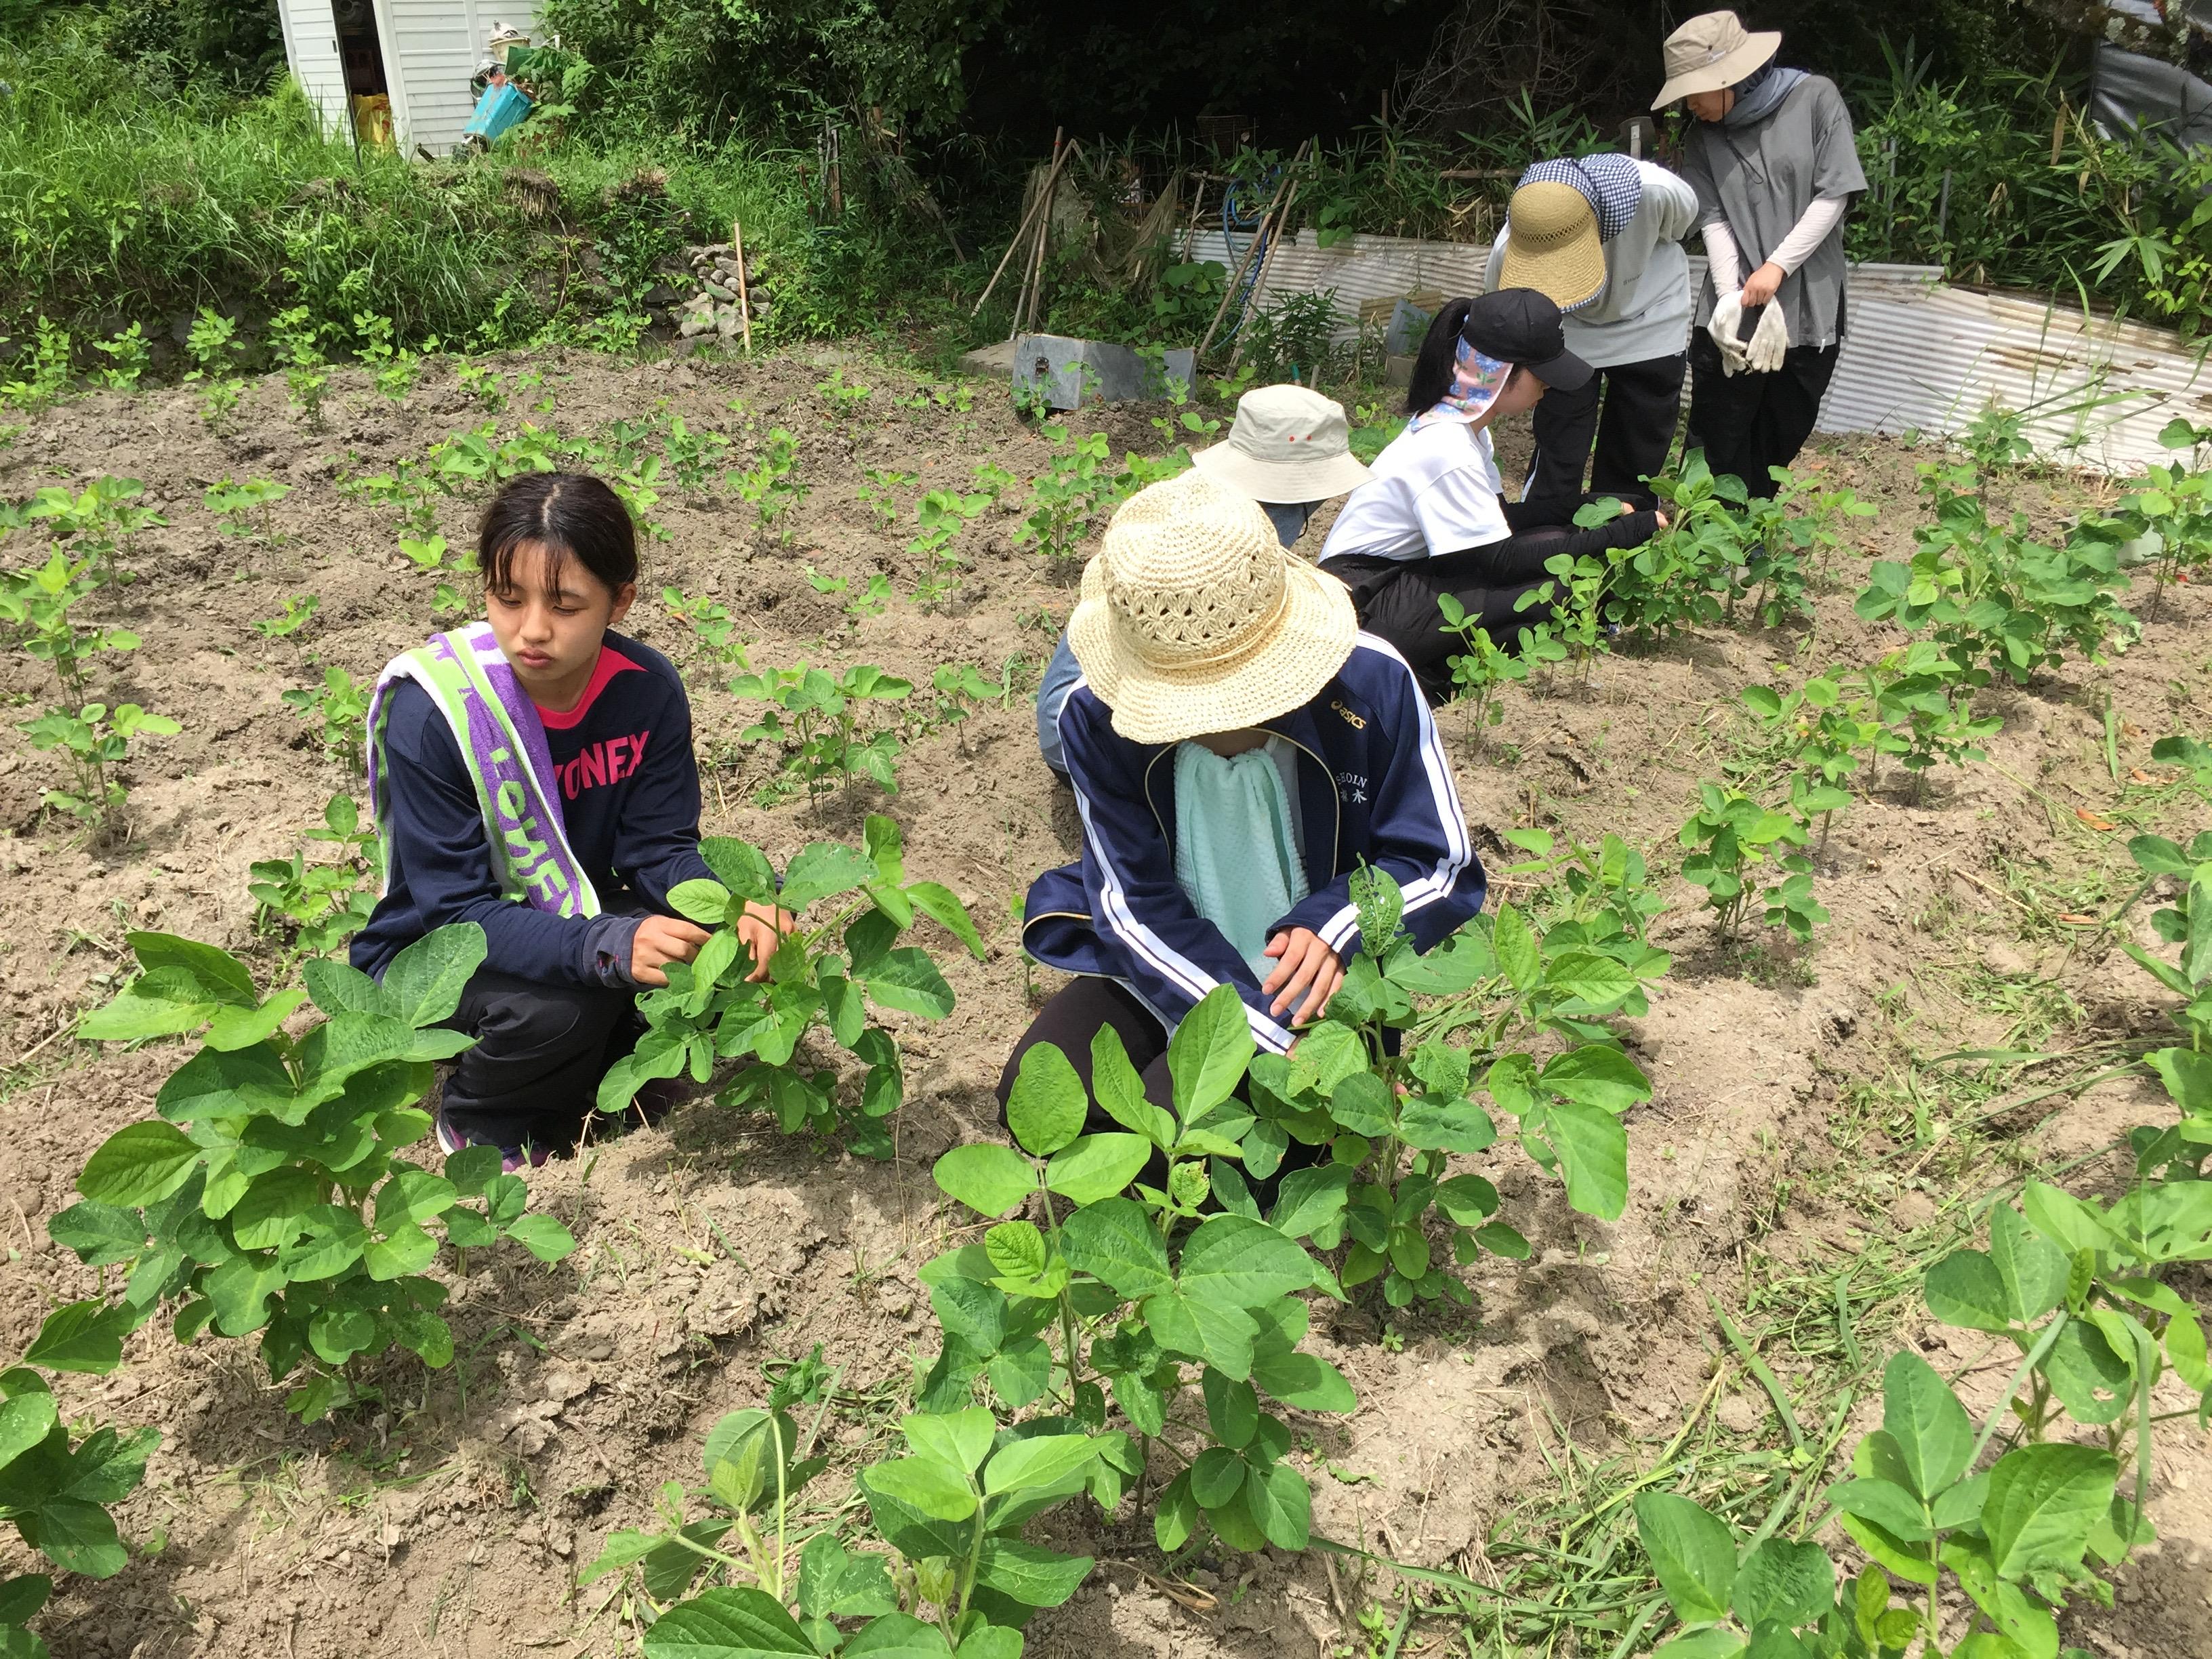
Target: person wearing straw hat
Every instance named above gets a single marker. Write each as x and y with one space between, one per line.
1238 748
1600 236
1289 449
1432 518
1771 155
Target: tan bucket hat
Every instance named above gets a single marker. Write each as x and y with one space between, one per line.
1288 443
1553 245
1195 618
1711 52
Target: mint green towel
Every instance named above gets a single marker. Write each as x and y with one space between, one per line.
1237 843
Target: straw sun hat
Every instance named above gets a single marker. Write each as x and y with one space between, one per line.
1288 443
1553 245
1711 52
1195 618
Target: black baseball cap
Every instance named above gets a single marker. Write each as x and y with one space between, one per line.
1520 325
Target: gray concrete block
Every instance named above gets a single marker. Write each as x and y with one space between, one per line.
1069 373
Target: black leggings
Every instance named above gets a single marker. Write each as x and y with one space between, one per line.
1397 599
541 1050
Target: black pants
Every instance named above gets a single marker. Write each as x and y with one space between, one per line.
1750 423
1396 598
1632 433
541 1050
1074 1016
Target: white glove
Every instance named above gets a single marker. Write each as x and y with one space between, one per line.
1727 321
1768 341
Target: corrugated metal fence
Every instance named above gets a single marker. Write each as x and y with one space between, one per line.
1921 355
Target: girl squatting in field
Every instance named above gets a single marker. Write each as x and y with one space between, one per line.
533 773
1237 748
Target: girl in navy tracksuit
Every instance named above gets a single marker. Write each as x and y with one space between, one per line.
1219 665
533 774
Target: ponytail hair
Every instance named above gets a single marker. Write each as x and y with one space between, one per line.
572 515
1434 369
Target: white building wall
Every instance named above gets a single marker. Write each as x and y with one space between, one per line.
430 49
311 49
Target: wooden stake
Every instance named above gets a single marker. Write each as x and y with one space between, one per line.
1029 218
744 287
1267 263
1031 280
1245 263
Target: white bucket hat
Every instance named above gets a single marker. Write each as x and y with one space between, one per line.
1195 618
1711 52
1288 443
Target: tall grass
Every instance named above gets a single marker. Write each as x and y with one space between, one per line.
117 206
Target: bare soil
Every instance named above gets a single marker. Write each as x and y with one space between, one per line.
455 1520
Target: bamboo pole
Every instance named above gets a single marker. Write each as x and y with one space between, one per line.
744 286
1267 264
1020 234
1245 263
1032 277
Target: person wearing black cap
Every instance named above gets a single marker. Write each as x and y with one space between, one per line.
1432 518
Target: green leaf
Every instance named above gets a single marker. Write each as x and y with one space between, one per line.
989 1178
423 984
1115 1241
1098 1166
1221 1336
990 1641
2035 1270
338 987
138 1165
926 1484
896 1635
25 1422
706 903
1278 1499
727 1623
741 867
1588 977
1209 1053
2188 1078
2044 1502
1034 1577
1311 1199
938 902
1598 1076
99 1233
905 978
1120 1091
543 1236
1177 1518
220 976
1045 1108
1965 1289
1790 1584
1934 1435
407 1251
1431 1123
1518 957
1593 1149
241 1028
1242 1262
1304 1380
961 1440
1017 1249
1040 1460
822 870
1693 1552
1216 1474
2093 1380
1886 1502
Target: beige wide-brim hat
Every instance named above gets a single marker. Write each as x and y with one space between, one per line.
1288 443
1196 619
1553 245
1711 52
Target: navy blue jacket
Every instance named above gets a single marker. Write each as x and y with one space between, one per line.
628 785
1374 783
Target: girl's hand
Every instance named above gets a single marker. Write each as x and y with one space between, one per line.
660 940
1303 966
1759 288
760 930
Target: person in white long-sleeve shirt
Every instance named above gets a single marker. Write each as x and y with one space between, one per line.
1771 155
1600 236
